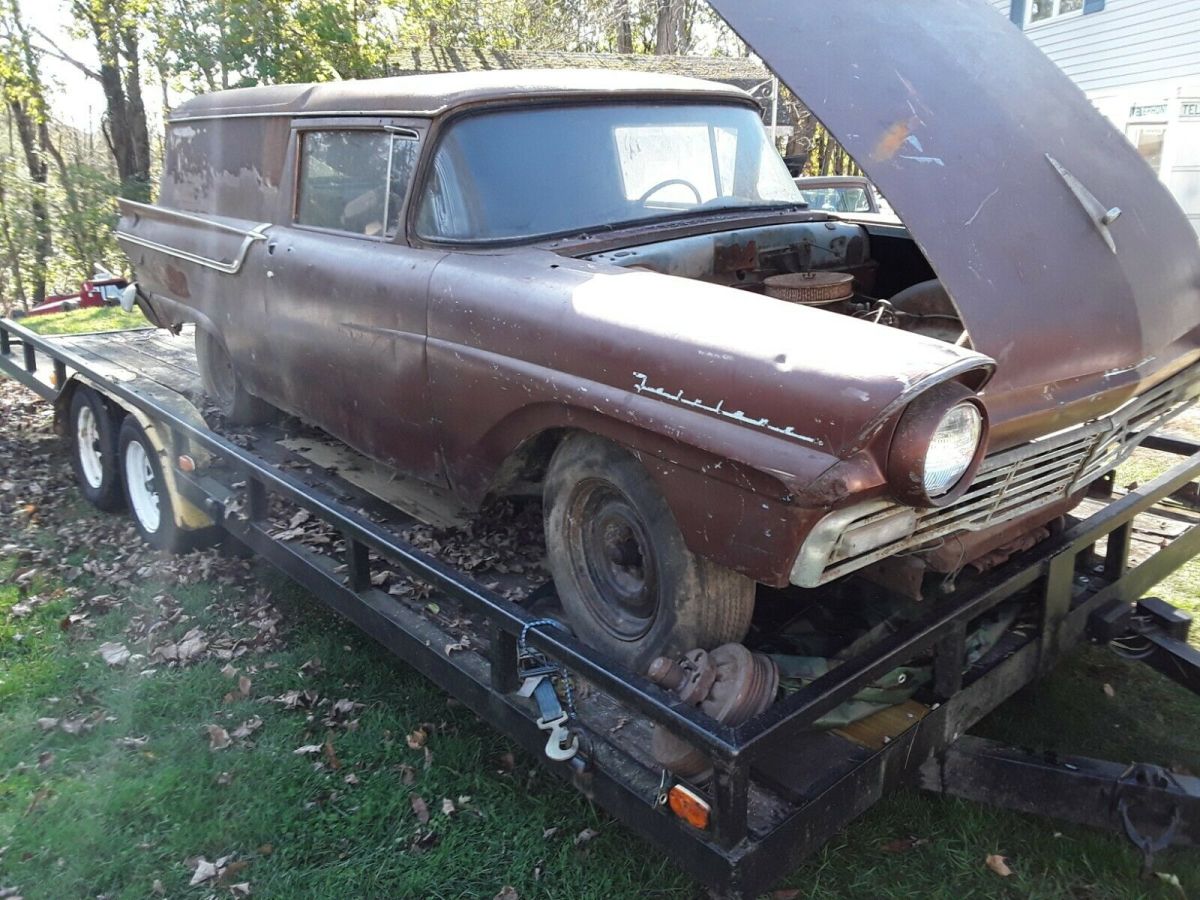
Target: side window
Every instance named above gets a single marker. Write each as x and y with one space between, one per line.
355 181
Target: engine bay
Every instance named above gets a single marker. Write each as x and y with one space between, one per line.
892 283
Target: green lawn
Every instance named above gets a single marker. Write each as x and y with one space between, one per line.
98 318
124 806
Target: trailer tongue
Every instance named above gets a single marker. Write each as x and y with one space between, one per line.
779 787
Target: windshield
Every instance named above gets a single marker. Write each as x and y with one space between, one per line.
514 174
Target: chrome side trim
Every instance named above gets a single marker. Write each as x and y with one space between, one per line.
164 212
227 267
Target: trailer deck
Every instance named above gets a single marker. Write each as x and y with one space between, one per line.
780 788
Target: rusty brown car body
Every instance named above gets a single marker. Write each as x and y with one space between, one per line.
782 443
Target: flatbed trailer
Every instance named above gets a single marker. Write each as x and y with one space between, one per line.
779 788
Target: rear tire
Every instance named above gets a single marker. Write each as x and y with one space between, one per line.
149 500
224 387
94 450
628 583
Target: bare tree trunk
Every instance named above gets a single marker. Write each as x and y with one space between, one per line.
10 249
39 175
826 152
125 129
624 27
668 32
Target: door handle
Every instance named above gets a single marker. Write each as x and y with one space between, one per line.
271 245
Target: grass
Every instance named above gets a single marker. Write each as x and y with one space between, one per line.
96 318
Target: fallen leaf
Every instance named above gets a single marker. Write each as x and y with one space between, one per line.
47 724
232 870
997 864
241 889
508 762
422 811
1109 691
45 760
158 888
132 743
225 779
205 871
508 892
307 749
244 686
548 833
351 779
584 836
247 728
229 671
903 845
330 756
448 807
416 739
266 849
218 737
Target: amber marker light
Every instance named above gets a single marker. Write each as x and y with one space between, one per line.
186 463
689 806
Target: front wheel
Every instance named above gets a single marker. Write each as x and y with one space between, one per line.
628 583
149 500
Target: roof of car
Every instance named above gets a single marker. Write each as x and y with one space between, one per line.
425 95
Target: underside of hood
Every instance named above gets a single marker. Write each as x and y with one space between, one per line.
1064 253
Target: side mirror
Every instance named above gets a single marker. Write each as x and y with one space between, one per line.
128 297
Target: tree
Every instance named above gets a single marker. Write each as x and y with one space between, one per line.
25 99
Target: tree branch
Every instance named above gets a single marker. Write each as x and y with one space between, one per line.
58 53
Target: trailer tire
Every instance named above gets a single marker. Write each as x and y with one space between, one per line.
148 499
224 387
94 460
628 583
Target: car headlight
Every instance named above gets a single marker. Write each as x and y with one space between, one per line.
938 446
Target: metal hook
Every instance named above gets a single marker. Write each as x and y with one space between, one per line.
562 745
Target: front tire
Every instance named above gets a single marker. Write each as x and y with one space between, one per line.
148 499
224 387
94 450
628 583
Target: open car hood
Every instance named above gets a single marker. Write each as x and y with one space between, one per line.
1004 173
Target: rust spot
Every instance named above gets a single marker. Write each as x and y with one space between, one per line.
893 139
177 283
732 258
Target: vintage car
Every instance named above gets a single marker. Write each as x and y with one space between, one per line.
608 286
838 193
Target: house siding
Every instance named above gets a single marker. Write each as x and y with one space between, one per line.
1129 42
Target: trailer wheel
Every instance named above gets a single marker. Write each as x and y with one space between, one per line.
223 386
94 450
627 581
149 501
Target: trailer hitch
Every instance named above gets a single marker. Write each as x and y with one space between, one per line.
1140 776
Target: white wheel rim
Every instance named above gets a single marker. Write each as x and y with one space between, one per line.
87 445
139 480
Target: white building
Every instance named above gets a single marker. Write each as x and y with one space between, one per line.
1139 62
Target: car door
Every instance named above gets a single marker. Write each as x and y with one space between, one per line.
346 297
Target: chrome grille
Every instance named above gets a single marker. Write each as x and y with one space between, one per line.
1017 482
